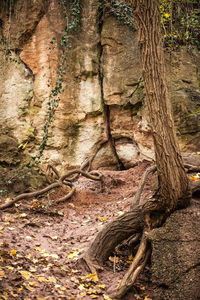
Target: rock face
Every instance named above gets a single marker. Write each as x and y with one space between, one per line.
103 96
176 256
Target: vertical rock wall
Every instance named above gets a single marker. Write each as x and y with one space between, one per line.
103 96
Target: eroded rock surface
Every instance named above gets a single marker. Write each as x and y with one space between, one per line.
103 90
176 256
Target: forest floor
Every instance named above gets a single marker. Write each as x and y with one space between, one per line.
41 244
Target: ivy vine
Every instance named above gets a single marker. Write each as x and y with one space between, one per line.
121 11
64 44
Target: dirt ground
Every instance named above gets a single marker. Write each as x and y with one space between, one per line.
41 244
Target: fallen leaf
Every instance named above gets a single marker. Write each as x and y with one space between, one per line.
23 215
52 279
93 276
106 297
41 279
81 287
119 213
114 259
25 274
9 268
102 286
11 228
73 255
2 274
54 256
13 252
61 213
32 283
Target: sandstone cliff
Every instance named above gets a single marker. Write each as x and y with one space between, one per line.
103 94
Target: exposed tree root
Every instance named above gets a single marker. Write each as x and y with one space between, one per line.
113 234
93 268
64 180
141 185
135 269
127 229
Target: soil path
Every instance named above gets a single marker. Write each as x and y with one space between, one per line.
40 246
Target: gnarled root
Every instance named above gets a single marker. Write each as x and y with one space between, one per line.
135 269
93 268
63 180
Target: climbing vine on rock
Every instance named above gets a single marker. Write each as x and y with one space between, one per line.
119 9
71 10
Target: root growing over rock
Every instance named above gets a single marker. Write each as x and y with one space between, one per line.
61 181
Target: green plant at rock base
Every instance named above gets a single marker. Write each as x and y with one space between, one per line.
64 45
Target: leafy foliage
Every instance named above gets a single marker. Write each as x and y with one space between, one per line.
119 9
181 23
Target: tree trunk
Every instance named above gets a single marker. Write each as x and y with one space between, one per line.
174 189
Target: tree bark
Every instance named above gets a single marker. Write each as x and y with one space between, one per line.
114 233
174 189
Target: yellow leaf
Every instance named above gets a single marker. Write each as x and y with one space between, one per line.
13 252
193 178
104 219
52 279
40 250
166 15
106 297
41 279
81 287
73 255
4 296
2 274
94 296
10 268
1 228
63 288
14 295
114 259
147 298
102 286
54 237
93 276
32 283
25 274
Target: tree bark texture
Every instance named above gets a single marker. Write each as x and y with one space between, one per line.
174 189
114 233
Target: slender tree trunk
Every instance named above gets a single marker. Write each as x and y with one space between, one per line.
174 191
173 183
